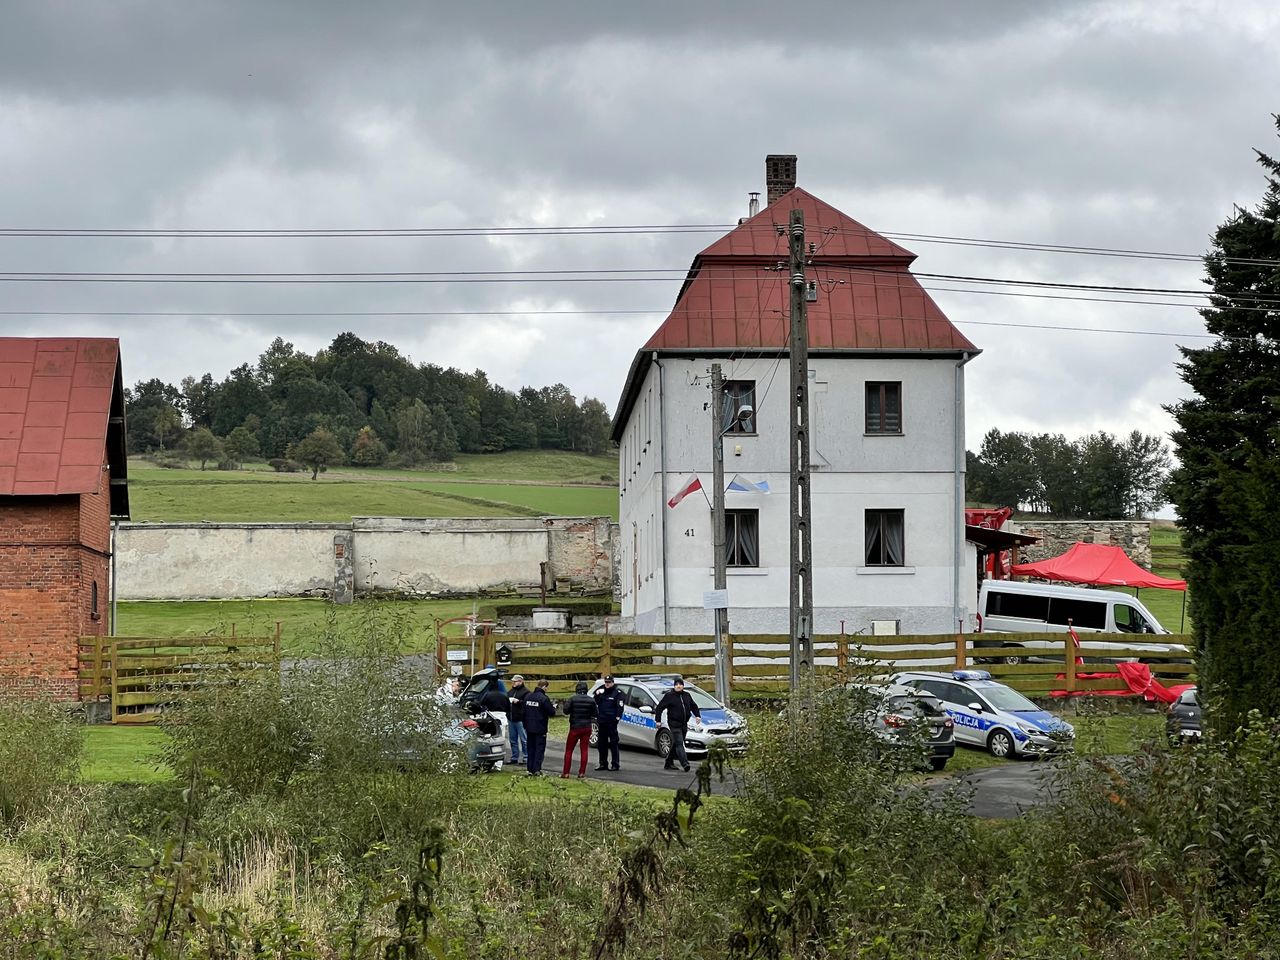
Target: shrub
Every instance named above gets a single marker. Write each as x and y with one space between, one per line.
39 756
284 465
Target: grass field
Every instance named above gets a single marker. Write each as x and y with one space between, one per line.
303 622
531 483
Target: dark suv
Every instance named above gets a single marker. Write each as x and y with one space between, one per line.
1183 721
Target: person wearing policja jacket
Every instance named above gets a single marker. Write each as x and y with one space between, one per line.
581 711
609 706
538 709
679 708
515 725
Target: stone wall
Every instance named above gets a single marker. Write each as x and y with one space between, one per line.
370 555
1057 536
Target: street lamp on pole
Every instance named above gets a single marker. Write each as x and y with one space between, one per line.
718 430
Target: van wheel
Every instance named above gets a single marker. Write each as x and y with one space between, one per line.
937 763
1000 744
663 743
1015 658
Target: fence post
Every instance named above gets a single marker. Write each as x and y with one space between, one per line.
842 658
962 651
115 692
606 656
1071 653
276 644
98 685
728 669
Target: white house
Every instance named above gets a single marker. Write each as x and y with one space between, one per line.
886 373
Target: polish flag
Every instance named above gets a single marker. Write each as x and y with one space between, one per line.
692 485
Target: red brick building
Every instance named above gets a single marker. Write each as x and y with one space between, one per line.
62 480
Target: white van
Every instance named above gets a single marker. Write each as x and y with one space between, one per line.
1007 606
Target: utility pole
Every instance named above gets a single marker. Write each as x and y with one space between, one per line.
801 543
717 526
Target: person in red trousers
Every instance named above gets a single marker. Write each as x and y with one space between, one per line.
581 711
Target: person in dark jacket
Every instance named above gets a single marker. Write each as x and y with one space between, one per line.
609 705
538 709
515 726
680 709
581 711
495 701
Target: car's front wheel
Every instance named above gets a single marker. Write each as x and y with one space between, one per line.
1013 659
1000 744
663 743
937 763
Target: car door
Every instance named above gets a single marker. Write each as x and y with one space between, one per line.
641 705
956 697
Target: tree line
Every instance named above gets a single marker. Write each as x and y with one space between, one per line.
1099 476
361 402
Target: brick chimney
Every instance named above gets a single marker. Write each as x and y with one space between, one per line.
779 174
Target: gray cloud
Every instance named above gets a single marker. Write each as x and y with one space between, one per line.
1111 124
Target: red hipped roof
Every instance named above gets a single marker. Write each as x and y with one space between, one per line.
62 418
1095 563
734 299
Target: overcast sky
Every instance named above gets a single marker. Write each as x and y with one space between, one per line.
1116 124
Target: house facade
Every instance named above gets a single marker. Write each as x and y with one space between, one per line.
62 481
886 380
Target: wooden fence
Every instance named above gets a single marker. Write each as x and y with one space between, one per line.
139 675
760 664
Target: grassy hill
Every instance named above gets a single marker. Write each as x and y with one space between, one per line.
516 484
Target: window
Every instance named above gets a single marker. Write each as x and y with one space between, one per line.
1081 613
94 614
738 394
1021 605
884 538
742 538
1129 620
884 407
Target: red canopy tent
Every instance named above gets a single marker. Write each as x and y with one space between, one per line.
1095 563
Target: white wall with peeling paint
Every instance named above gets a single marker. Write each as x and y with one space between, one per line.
424 556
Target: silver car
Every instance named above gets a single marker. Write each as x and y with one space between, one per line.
639 728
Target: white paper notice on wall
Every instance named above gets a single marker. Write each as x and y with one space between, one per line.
715 600
455 655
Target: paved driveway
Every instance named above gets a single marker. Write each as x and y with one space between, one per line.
997 793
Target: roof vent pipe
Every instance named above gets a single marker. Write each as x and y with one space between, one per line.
753 207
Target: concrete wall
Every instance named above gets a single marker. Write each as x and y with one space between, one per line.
1057 536
436 557
852 472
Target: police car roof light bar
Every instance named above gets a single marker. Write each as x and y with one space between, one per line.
970 675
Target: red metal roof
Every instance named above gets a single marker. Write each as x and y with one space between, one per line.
867 297
735 299
61 418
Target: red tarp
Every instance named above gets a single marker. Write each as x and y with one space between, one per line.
1095 563
1137 677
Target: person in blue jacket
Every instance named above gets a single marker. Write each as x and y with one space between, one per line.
538 709
609 704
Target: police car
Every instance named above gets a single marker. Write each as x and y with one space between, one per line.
990 715
638 728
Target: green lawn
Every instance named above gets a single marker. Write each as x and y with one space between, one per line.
303 622
528 483
122 754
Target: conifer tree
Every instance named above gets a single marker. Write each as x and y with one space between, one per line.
1227 488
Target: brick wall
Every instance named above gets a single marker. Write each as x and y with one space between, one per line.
52 552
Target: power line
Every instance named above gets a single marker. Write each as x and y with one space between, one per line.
738 351
588 230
